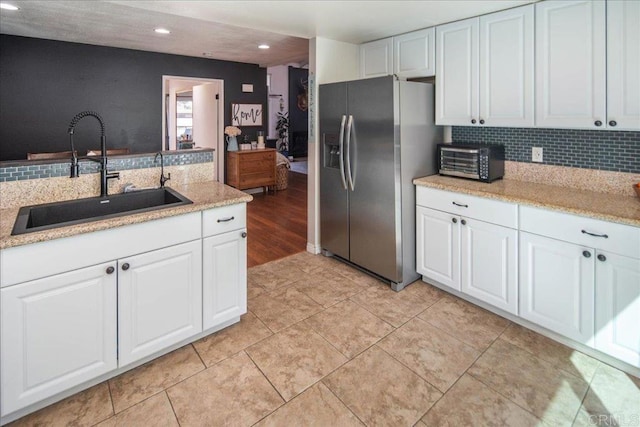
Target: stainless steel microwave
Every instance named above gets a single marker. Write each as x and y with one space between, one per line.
482 162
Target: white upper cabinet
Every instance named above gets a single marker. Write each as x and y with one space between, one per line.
571 64
376 58
457 73
485 70
623 65
414 54
506 68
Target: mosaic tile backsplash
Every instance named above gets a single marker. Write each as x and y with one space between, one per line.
61 168
588 149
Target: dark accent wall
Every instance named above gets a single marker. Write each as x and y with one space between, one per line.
590 149
44 83
298 114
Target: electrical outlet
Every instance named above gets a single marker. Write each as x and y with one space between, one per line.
536 154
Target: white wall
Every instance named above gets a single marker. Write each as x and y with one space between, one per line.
279 86
329 61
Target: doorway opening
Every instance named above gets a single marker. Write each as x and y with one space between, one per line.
193 116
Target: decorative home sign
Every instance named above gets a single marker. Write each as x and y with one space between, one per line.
246 114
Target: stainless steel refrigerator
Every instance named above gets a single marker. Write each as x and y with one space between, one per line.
377 135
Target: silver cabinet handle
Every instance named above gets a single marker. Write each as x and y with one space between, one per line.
110 270
602 258
244 234
605 236
231 218
461 205
463 222
454 220
125 266
586 254
341 157
349 176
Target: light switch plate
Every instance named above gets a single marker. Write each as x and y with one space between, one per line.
536 154
247 88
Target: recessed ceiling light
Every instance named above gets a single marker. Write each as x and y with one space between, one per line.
7 6
263 46
162 31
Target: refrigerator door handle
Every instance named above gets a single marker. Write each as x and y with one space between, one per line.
341 154
349 176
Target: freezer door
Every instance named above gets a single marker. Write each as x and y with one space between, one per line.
374 209
334 199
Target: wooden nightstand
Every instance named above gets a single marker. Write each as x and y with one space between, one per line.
251 168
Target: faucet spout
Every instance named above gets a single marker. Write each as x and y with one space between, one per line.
75 167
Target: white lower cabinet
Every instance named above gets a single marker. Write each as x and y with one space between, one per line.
557 286
456 249
224 277
576 276
438 246
159 300
80 313
618 306
489 263
57 332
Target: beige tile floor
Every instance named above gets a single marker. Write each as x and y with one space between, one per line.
325 345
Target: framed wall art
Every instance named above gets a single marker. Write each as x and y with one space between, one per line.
246 114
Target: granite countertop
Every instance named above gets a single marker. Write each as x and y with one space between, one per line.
204 195
608 207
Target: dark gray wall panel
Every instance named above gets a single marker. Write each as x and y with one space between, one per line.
44 83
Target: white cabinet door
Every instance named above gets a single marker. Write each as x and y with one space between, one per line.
159 300
457 71
570 64
489 263
438 246
414 54
557 286
618 307
506 68
224 278
376 58
623 65
57 332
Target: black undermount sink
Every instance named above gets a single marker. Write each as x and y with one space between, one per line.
61 214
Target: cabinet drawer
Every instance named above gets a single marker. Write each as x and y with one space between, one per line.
257 179
488 210
223 219
29 262
621 239
259 163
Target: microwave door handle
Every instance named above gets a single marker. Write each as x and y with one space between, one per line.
349 176
341 154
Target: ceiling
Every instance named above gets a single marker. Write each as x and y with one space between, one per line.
232 30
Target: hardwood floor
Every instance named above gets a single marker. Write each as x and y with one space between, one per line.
277 224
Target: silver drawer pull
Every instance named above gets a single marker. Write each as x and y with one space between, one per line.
462 206
595 235
231 218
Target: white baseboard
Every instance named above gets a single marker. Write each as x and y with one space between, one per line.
314 249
